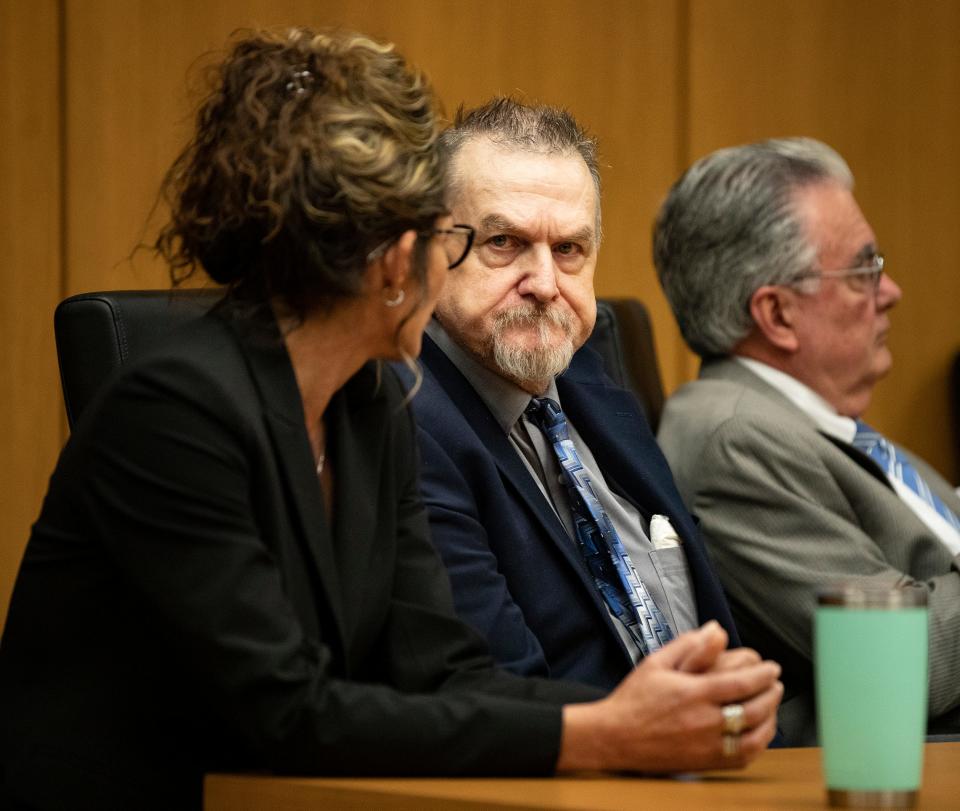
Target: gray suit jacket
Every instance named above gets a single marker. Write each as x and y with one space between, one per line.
785 510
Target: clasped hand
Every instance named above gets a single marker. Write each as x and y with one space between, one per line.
667 714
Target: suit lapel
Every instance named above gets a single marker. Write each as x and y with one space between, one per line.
356 434
611 423
729 369
273 377
508 461
858 456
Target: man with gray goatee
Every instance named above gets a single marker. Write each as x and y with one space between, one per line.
776 281
567 544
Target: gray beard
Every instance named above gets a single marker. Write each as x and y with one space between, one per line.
545 360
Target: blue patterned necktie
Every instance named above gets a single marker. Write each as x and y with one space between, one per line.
896 465
598 541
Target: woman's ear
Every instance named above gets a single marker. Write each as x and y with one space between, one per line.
397 262
774 311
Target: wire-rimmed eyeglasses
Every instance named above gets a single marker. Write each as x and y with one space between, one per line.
865 277
457 241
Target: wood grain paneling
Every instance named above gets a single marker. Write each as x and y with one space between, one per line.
880 81
125 110
30 278
613 63
659 81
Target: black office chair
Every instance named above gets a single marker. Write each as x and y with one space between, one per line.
624 338
96 333
954 403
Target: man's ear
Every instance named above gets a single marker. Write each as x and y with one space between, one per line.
774 311
396 264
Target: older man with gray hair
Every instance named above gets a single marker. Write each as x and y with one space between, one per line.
568 546
775 279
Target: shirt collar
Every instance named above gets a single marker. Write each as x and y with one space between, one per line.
824 416
505 399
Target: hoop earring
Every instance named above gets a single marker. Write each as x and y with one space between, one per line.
397 300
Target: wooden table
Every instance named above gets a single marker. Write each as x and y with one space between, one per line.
781 778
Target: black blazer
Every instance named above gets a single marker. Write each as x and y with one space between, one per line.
185 605
516 575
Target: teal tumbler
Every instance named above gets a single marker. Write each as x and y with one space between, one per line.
870 653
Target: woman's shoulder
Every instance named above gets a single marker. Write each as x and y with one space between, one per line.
205 348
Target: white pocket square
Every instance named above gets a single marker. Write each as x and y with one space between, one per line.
662 533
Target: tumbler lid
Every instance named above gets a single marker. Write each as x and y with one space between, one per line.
852 596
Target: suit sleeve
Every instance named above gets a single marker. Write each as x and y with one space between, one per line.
481 592
780 526
168 494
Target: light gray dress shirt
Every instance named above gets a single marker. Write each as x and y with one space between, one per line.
665 572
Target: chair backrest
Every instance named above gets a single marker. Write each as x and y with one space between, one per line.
96 333
624 338
954 404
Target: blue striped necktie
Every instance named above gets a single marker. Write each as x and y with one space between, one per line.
896 465
613 573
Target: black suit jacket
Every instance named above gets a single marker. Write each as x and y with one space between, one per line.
185 605
517 576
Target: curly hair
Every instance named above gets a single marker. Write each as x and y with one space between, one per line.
311 150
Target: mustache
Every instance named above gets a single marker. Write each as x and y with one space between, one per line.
547 357
533 314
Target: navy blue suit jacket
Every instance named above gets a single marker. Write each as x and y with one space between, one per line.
517 576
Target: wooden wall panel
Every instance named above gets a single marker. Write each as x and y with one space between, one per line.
660 83
880 81
30 408
71 213
613 63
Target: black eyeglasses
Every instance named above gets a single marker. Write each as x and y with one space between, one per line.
457 241
866 277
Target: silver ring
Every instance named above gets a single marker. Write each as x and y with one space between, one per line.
733 719
730 745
